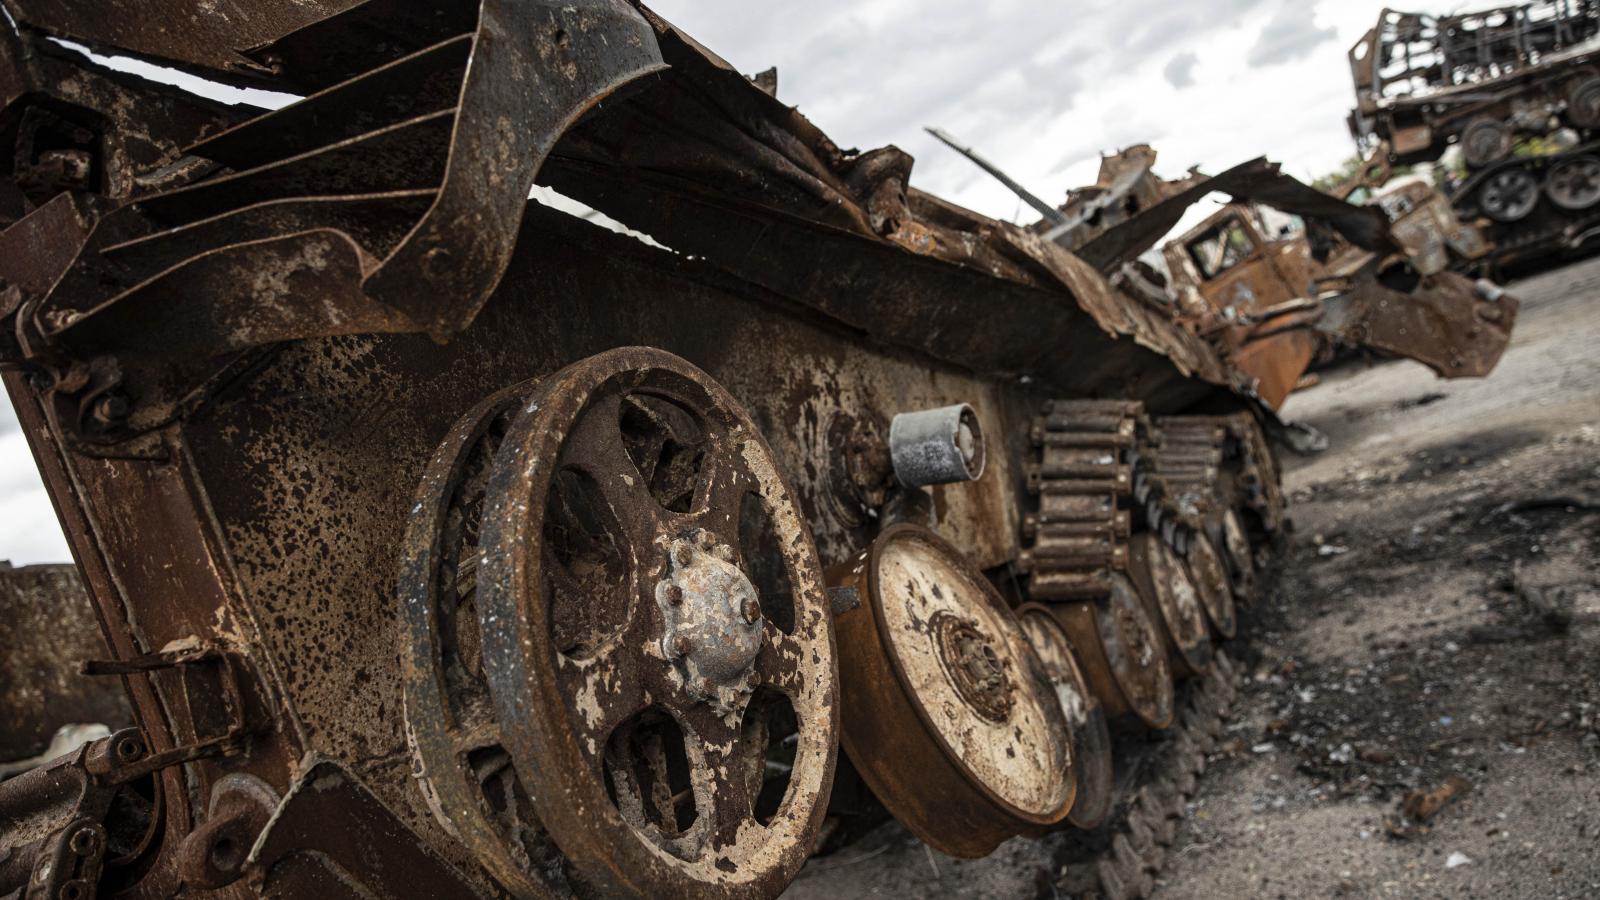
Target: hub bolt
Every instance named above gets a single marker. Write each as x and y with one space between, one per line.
674 595
681 645
752 611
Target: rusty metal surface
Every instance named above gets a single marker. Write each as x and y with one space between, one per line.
947 711
77 825
1083 476
1446 322
1121 650
719 621
1275 308
48 629
1210 579
1092 763
330 837
1423 82
1170 599
1256 181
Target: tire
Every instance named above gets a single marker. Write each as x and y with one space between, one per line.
1583 104
1485 142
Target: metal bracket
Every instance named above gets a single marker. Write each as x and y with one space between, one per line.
121 767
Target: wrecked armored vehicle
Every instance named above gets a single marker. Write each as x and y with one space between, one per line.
448 544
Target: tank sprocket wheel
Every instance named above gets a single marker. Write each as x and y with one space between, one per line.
1574 184
948 713
654 628
459 758
1086 720
1215 588
1509 195
1485 142
1173 602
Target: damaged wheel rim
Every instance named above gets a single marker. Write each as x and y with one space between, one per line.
948 713
654 629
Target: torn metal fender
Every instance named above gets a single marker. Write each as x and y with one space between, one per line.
537 66
534 68
1259 181
1454 326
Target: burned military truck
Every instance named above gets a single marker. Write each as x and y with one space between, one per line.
1517 89
447 544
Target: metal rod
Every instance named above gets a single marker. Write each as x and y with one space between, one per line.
1045 209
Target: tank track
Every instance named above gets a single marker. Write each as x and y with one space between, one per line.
1181 473
1122 859
1083 479
1547 230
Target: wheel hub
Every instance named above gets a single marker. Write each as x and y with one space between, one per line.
713 621
976 670
1509 196
1574 185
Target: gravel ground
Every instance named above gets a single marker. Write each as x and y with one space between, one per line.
1434 640
1438 624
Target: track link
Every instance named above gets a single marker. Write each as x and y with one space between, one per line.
1135 842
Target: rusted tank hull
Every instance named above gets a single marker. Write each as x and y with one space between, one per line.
241 361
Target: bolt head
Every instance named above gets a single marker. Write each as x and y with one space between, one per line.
684 555
707 539
752 611
681 645
674 595
111 408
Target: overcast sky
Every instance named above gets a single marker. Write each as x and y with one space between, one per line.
1041 87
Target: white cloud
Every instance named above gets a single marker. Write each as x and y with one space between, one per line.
1042 89
1290 35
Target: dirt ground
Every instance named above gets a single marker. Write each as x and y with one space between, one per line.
1434 638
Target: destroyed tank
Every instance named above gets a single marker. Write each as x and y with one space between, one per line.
1517 90
447 544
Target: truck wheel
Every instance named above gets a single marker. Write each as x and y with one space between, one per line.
1583 103
1485 142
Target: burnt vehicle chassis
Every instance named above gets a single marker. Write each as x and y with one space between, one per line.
450 545
1488 81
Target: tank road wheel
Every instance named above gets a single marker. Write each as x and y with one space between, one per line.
1211 580
1173 602
1574 184
656 633
1509 196
1485 142
948 713
1583 104
1086 721
1120 650
459 757
1241 556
